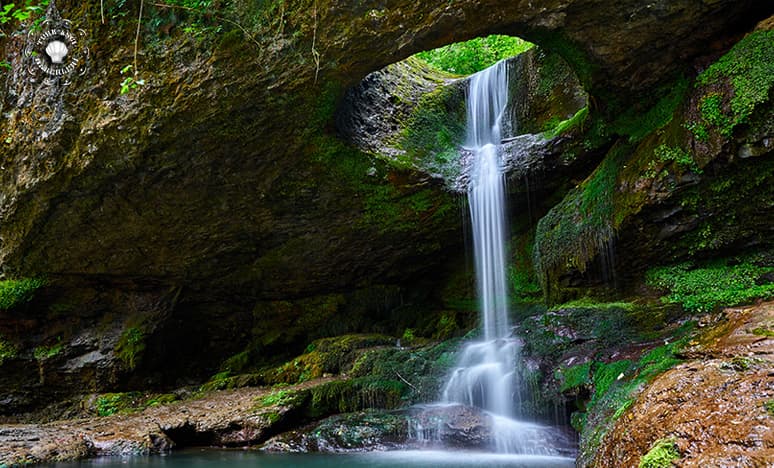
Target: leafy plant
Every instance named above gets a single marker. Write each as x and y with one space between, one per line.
749 71
555 128
670 154
130 82
7 350
717 284
42 353
16 292
12 12
130 346
661 454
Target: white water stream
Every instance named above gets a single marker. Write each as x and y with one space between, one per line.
486 376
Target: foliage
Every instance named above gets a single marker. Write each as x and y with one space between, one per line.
682 158
719 283
7 350
466 58
327 356
279 398
749 70
590 303
338 396
130 82
574 377
130 346
555 129
11 12
661 454
109 404
763 331
14 293
615 385
42 353
522 279
769 405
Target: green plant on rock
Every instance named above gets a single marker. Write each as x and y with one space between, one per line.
555 127
14 293
279 398
615 385
661 454
42 353
720 283
637 124
130 83
745 75
681 158
574 377
7 350
108 404
130 346
12 12
577 229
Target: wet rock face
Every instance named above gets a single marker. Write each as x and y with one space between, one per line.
354 432
223 180
166 185
716 407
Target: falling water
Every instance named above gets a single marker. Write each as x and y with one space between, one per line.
486 376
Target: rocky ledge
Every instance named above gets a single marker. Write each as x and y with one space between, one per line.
716 409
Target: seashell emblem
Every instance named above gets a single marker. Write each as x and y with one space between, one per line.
57 51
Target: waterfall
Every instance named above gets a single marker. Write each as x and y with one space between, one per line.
486 375
486 371
487 98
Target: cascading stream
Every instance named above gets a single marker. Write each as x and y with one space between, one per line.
486 376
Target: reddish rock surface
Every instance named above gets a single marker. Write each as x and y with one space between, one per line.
713 405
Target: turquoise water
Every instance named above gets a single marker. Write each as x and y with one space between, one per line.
241 458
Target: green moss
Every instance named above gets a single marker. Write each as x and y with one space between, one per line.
109 404
763 331
769 405
744 76
42 353
7 350
14 293
574 377
327 356
591 303
638 123
345 396
681 158
555 129
280 398
719 283
521 272
130 346
616 384
434 132
661 454
577 229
